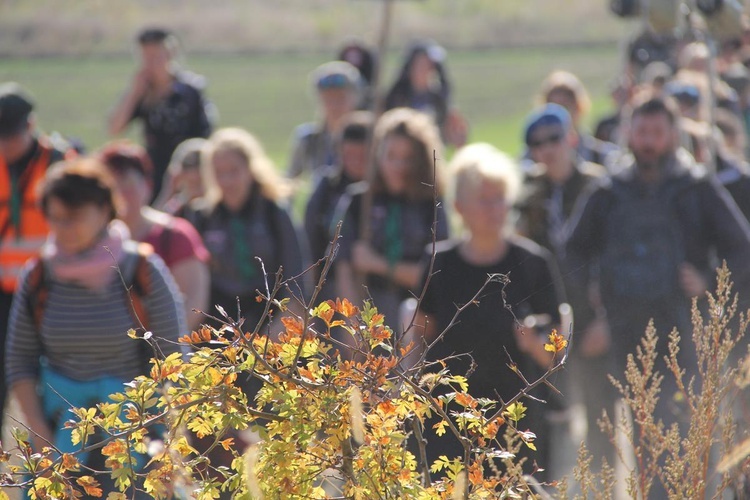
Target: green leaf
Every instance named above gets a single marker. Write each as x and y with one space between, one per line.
515 411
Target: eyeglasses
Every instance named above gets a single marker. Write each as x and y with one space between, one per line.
555 138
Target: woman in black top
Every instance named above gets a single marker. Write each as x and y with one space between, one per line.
495 329
400 215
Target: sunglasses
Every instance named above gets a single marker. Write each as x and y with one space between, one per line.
555 138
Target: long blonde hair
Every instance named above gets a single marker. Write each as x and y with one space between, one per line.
242 143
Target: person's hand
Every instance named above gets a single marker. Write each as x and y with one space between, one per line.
41 435
596 339
692 281
141 82
365 259
456 128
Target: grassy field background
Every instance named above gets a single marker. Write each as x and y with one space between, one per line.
270 94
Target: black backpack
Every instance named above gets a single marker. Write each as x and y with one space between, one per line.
643 243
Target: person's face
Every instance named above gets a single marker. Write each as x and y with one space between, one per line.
421 71
155 58
397 160
484 209
76 229
233 178
549 145
354 159
190 182
13 147
336 102
652 139
135 191
567 101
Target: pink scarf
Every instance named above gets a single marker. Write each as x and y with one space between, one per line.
93 268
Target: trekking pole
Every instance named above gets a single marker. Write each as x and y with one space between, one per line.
378 105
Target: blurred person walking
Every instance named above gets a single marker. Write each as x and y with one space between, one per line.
337 90
403 208
183 182
492 333
166 98
655 229
245 225
353 148
423 84
173 239
564 88
67 339
551 189
25 155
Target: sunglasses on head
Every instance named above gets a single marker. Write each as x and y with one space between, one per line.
555 138
333 81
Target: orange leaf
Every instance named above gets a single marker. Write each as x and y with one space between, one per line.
90 486
113 448
227 443
195 338
205 333
70 462
293 325
346 308
465 400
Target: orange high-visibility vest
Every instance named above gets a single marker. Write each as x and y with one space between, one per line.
18 244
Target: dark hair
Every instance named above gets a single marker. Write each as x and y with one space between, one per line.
80 182
649 104
356 53
153 35
357 127
436 54
123 156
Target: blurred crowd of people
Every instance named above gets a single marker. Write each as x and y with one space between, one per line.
593 234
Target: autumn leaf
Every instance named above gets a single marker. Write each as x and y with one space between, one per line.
90 486
227 443
346 308
556 343
440 427
466 400
70 462
293 325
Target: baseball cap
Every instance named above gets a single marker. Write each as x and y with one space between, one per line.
335 75
549 114
15 107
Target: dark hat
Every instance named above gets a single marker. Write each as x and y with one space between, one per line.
15 107
549 114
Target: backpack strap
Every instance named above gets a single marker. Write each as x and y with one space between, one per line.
38 291
140 285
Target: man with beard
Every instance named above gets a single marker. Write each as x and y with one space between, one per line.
655 229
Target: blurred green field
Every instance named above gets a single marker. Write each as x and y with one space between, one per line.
270 94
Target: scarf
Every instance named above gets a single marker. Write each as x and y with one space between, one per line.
93 268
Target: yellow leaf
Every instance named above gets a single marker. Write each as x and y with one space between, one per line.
556 342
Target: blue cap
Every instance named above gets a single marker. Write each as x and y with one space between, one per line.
549 114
